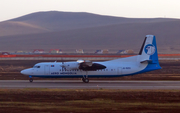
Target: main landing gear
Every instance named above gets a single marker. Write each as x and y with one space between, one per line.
85 79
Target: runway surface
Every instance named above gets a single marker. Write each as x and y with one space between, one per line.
93 84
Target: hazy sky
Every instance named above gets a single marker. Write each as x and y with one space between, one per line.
124 8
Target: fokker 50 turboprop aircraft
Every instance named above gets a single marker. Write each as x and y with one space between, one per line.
147 60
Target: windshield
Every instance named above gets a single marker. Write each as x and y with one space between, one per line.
36 67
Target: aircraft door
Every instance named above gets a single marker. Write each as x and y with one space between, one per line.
119 70
46 69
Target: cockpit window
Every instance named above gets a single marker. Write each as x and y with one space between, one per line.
36 67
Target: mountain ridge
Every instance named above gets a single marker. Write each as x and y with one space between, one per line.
83 32
57 21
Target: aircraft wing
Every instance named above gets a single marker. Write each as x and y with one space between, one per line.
83 65
87 66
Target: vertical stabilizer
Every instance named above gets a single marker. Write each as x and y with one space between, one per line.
148 50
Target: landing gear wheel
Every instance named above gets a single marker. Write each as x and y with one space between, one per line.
83 79
86 80
30 80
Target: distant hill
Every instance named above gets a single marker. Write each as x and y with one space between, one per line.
112 37
59 21
70 31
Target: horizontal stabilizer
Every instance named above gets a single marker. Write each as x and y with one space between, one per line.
149 61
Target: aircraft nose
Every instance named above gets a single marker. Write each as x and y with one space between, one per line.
25 72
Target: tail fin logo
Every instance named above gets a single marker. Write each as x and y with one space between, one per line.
149 49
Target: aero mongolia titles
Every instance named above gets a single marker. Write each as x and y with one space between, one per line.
147 60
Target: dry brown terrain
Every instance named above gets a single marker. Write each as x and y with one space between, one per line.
15 28
91 101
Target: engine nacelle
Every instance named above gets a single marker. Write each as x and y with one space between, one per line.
71 65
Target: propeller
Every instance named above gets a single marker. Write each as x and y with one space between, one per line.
63 66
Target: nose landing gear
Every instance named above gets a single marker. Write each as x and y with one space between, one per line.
30 79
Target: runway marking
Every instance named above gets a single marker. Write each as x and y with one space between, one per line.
90 81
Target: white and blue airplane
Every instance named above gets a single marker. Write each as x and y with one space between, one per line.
147 60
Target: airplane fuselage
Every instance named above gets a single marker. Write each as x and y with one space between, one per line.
114 68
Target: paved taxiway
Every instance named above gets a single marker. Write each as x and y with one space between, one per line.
93 84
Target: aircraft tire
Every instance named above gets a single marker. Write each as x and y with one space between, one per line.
30 80
86 80
83 79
